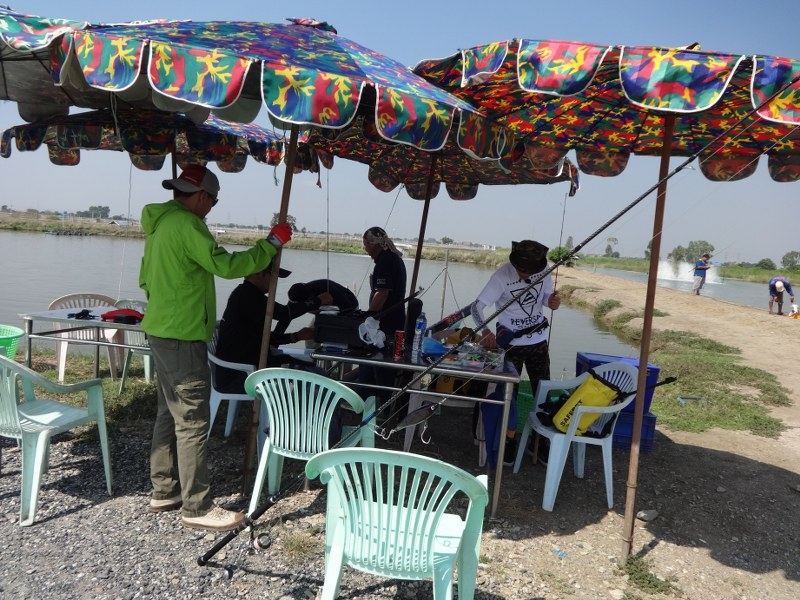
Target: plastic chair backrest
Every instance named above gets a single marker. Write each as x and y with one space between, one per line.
80 301
392 503
623 376
300 406
134 338
9 397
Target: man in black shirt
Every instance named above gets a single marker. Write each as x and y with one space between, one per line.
387 282
242 326
342 298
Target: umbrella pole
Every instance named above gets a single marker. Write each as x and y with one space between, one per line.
174 165
252 434
647 327
423 224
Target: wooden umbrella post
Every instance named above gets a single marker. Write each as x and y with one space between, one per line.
174 165
647 327
252 434
423 224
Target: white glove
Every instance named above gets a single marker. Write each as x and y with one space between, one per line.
370 333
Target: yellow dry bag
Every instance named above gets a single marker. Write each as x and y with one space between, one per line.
595 391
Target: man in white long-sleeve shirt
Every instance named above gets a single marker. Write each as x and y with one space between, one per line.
521 328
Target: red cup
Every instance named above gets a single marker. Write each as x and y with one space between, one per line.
399 344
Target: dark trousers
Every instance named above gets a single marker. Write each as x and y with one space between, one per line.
535 358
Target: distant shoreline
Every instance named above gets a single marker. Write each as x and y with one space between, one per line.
338 243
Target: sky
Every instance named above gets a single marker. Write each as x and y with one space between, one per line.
745 221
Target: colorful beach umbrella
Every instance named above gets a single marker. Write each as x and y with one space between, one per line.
302 72
608 102
458 170
148 137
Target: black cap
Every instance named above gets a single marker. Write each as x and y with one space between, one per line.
281 272
528 256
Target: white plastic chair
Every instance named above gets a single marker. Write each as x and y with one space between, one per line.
80 301
217 396
34 421
620 374
135 338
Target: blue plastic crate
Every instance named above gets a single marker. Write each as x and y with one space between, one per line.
623 432
587 360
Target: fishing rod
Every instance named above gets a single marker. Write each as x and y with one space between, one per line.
249 520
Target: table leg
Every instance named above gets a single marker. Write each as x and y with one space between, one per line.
28 332
508 394
97 352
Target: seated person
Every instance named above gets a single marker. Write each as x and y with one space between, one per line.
342 298
242 326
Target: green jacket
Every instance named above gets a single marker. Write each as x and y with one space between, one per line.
180 260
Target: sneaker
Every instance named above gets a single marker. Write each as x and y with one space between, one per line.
544 450
510 454
216 519
165 504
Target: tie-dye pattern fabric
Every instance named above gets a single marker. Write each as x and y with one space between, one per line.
148 136
608 102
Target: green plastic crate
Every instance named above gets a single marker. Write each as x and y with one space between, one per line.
9 338
524 402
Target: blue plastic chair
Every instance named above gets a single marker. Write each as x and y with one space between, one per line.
34 421
386 516
299 407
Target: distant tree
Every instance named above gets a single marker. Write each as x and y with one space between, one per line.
447 240
569 244
289 219
5 208
696 249
766 263
615 254
303 230
791 260
612 241
560 252
647 250
118 217
677 255
32 211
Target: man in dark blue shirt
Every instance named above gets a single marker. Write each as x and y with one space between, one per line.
701 266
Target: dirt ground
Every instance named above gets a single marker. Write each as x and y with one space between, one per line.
726 527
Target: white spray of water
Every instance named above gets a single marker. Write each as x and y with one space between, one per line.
683 271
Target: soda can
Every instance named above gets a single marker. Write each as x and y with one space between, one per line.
399 344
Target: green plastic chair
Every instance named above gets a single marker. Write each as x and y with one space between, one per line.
35 420
300 406
386 516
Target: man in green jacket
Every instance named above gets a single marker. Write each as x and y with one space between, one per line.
180 261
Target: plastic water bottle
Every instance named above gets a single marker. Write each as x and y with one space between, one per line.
419 332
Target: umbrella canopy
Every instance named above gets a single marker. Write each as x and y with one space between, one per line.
302 72
148 137
608 102
461 172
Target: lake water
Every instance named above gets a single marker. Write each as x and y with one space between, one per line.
38 268
728 290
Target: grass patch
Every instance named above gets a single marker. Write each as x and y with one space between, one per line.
299 545
559 585
714 388
604 307
137 402
640 575
660 313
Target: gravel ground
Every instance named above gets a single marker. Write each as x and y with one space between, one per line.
726 528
